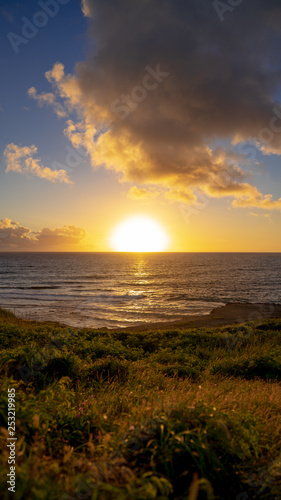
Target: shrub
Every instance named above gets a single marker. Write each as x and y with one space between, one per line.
182 371
266 367
192 440
108 369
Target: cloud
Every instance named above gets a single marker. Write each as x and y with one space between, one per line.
21 159
12 235
183 195
15 237
168 81
251 197
49 99
86 9
136 193
267 216
66 235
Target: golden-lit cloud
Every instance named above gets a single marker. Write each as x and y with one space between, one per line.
136 193
183 195
85 8
253 198
158 95
21 159
66 86
15 237
245 195
47 98
63 236
267 216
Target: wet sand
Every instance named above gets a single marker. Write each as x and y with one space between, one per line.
229 314
226 315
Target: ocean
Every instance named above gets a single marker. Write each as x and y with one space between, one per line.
115 290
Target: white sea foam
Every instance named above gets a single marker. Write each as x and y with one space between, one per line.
124 289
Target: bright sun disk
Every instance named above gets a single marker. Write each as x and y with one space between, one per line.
139 234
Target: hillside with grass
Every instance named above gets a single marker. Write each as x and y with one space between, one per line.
112 414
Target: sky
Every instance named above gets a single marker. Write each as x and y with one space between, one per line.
164 109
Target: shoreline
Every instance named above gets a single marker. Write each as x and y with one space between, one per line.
228 314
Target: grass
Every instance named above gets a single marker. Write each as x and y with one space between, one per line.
174 414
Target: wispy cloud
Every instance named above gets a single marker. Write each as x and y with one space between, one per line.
267 216
47 98
21 159
136 193
85 8
251 197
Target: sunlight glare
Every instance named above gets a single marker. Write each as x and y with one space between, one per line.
139 234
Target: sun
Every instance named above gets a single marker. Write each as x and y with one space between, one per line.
139 234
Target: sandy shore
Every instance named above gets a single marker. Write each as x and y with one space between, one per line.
228 314
225 315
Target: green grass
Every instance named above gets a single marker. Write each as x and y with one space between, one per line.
173 414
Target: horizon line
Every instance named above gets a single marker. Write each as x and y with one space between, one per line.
132 252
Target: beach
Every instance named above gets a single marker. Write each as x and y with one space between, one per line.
225 315
97 290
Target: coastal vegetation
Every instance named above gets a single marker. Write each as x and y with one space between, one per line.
177 413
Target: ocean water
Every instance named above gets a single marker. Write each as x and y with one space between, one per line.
111 289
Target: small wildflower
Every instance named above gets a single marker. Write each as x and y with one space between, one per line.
105 417
81 408
84 402
78 415
131 428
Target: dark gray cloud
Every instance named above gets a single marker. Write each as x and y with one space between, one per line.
172 79
223 75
